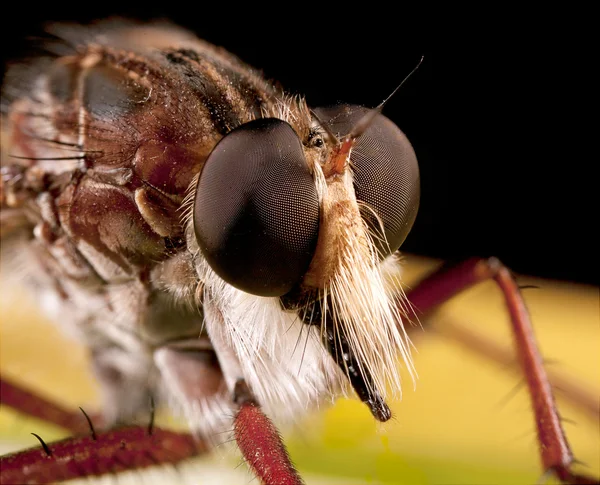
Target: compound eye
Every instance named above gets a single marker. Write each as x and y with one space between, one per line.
256 211
386 174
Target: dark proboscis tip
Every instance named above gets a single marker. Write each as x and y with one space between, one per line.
379 409
342 354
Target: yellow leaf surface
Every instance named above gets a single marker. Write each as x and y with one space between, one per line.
464 422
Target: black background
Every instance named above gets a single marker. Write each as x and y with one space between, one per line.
498 113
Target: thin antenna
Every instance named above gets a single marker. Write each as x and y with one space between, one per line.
384 102
341 155
361 126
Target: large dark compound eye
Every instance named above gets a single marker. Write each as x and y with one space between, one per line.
386 174
256 213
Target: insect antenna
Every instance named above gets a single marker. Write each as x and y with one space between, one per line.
362 124
408 76
341 153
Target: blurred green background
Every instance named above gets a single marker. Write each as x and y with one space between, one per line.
463 423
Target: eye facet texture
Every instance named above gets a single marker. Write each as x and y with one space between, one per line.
256 211
386 174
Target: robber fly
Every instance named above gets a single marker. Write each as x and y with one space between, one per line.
205 234
216 244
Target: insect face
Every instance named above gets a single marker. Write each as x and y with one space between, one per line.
279 212
256 211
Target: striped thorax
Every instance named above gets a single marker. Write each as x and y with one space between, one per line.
197 226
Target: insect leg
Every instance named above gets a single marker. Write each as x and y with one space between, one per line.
257 437
128 448
260 442
442 285
102 453
26 402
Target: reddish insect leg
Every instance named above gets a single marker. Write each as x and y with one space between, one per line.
190 374
260 442
14 396
100 453
255 434
442 285
129 448
138 447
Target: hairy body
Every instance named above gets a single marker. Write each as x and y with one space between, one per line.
105 144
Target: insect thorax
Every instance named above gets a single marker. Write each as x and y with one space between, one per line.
103 143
